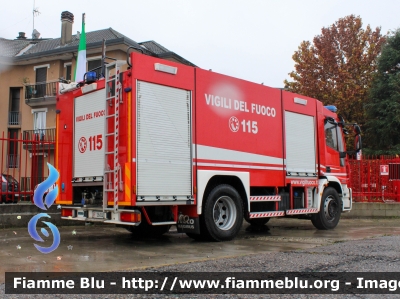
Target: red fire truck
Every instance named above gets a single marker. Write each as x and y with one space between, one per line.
164 144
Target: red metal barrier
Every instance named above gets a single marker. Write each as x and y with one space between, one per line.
23 163
375 179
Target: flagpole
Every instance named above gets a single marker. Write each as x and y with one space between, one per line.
103 57
80 68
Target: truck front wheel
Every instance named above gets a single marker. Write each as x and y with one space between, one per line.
223 213
329 212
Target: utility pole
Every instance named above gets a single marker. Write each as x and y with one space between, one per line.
35 12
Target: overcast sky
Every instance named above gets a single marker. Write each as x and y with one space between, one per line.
252 40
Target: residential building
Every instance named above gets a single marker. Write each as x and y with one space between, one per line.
30 69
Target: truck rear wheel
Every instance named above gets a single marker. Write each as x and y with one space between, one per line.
329 212
204 235
223 213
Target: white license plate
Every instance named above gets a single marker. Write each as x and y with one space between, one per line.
98 215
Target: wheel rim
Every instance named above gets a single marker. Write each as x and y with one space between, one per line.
224 213
330 208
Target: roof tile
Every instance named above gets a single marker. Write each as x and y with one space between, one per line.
10 48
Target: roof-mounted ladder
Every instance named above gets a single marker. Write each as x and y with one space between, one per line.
112 169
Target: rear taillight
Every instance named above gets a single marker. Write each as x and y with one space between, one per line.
66 213
131 217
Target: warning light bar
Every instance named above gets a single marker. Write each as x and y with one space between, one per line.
331 108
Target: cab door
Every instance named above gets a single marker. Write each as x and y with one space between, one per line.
334 145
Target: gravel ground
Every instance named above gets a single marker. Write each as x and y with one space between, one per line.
379 254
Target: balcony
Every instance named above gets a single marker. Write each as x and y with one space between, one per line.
40 140
14 118
41 93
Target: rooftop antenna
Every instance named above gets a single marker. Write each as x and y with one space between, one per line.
35 12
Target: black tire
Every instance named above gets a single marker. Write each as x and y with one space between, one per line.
257 221
204 235
331 208
145 230
222 215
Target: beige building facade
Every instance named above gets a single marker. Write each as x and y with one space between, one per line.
30 70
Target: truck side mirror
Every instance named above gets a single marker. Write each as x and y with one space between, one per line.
342 154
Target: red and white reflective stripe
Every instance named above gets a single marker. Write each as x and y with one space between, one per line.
266 198
267 214
301 211
230 165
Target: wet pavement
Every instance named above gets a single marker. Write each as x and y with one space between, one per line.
97 248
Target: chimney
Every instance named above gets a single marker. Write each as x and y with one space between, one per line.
67 19
21 35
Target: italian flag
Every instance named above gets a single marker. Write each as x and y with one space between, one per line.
80 68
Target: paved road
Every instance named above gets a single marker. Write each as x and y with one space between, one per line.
108 248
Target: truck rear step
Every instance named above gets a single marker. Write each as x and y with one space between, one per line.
164 223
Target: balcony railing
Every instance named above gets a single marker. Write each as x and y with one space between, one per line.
39 140
14 118
39 135
27 186
28 183
41 93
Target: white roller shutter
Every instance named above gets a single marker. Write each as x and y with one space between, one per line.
164 160
300 143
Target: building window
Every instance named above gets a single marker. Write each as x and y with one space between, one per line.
39 123
13 113
68 72
95 66
41 78
12 155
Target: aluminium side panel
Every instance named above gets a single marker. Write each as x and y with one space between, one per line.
300 144
164 142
